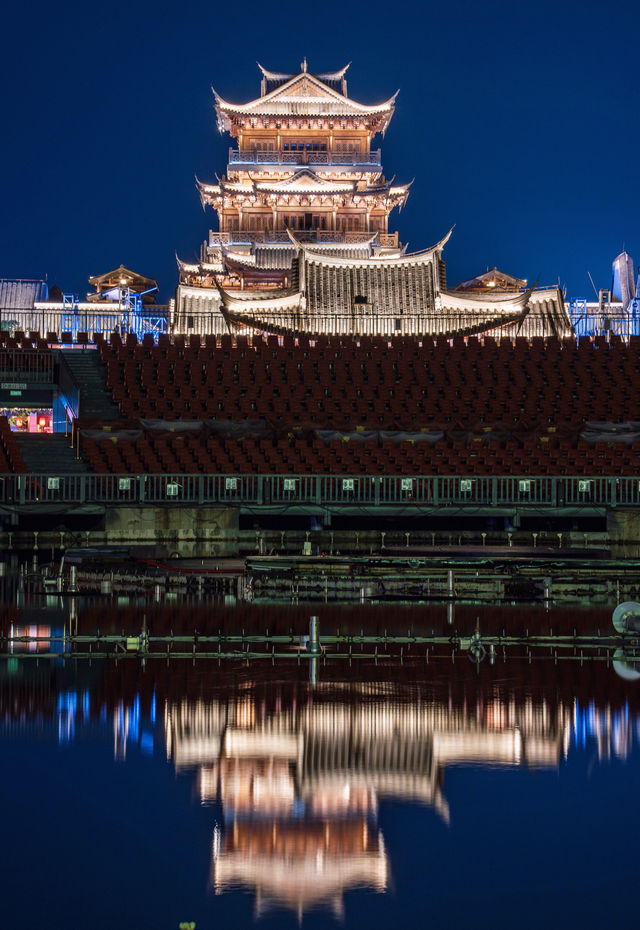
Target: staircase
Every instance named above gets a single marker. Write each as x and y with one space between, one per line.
89 372
49 454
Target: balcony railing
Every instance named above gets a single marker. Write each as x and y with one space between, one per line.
425 492
388 240
281 236
259 157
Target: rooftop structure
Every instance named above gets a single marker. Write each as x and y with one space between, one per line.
304 243
16 297
492 279
111 285
303 161
615 312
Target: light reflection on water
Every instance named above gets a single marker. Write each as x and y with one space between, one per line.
294 777
421 789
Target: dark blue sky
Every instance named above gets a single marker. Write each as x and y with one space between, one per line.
518 121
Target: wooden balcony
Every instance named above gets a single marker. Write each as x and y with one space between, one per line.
269 236
334 159
388 240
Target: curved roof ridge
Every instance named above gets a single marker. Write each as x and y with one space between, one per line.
274 75
334 75
256 298
322 75
277 92
239 258
460 298
377 261
438 246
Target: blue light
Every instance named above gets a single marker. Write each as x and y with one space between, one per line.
134 720
67 708
68 702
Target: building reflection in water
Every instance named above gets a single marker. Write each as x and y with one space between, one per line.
300 770
300 785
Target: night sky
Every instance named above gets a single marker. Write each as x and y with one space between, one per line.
519 123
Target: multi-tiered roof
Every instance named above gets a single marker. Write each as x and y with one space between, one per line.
304 161
304 243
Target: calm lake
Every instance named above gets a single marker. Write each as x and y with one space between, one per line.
415 785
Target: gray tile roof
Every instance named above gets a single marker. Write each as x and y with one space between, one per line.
21 294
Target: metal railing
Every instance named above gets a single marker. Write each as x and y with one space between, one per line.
69 389
26 365
272 236
259 157
324 490
590 321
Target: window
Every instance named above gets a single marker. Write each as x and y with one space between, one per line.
189 322
304 145
257 221
305 221
349 223
348 146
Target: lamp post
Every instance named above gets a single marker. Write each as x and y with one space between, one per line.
124 301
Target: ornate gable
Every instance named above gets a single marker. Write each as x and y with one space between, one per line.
304 93
303 88
305 181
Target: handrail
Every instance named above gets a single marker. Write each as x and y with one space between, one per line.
260 157
29 365
416 492
281 236
69 387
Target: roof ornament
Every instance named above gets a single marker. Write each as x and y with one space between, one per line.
334 75
303 66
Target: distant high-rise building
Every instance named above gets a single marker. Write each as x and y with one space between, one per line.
624 284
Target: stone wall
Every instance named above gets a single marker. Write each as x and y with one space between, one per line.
190 532
623 527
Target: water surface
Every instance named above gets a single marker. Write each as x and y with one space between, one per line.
374 792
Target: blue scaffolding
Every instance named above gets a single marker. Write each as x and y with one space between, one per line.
128 315
590 319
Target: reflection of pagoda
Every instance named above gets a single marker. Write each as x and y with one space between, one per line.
304 244
300 787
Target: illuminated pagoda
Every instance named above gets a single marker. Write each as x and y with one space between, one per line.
304 244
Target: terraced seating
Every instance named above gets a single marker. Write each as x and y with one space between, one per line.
376 384
506 407
204 454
